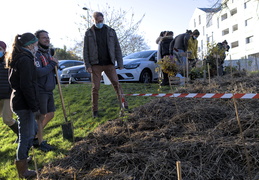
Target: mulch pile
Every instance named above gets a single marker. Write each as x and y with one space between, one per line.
203 134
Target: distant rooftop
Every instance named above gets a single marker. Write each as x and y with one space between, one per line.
209 10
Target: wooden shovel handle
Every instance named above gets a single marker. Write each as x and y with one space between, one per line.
61 95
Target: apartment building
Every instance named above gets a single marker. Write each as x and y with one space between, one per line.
237 22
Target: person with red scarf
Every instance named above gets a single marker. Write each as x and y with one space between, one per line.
45 66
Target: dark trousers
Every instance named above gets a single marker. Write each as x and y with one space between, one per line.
27 131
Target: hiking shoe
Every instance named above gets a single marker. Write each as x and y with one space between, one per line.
127 109
44 146
35 143
95 114
29 159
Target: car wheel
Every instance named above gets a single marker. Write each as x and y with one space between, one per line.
145 76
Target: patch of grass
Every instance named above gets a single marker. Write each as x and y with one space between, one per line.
77 98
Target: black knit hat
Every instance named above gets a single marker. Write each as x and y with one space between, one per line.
27 38
196 32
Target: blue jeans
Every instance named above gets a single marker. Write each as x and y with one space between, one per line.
27 131
183 58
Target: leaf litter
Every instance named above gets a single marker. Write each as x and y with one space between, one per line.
203 134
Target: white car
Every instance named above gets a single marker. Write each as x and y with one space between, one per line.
139 66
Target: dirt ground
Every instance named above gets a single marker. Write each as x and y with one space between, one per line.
203 134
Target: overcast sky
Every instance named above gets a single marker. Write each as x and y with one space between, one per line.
58 17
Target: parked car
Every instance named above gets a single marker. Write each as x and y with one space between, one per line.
62 64
75 74
139 66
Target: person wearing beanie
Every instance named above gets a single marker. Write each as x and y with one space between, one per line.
45 66
5 93
24 97
193 49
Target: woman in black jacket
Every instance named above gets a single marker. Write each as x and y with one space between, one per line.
5 92
24 98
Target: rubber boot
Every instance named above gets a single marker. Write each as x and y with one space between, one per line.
14 127
23 171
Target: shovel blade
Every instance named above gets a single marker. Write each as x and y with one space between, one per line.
67 130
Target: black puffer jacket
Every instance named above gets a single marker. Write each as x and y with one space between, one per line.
5 89
23 80
164 45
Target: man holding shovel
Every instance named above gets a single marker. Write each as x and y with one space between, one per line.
45 65
101 51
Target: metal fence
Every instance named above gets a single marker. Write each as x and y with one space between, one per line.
250 64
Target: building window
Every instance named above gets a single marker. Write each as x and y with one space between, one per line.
225 32
199 19
209 19
233 12
249 39
248 22
201 44
218 22
234 44
203 30
234 28
194 23
245 5
224 16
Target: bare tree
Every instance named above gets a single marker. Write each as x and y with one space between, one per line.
123 23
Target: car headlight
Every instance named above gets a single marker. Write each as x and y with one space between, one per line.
132 65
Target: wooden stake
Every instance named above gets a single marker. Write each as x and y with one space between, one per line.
35 163
209 72
243 139
179 171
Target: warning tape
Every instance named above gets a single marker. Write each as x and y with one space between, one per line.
202 95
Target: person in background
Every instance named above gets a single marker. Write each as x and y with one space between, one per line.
24 97
158 40
5 92
101 51
193 48
163 49
45 66
162 33
223 47
179 46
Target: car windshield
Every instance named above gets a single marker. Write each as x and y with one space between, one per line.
137 55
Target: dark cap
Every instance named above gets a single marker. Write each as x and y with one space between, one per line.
3 45
196 32
27 38
225 42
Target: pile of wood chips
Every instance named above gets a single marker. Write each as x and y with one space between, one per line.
203 134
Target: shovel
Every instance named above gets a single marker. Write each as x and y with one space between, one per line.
67 127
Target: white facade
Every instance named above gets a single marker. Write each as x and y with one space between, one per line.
238 23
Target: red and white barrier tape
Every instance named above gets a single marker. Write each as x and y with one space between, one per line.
203 95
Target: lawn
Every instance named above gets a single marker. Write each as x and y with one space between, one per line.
77 98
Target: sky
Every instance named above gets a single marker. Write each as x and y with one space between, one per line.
59 17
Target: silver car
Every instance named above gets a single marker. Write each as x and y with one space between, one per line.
62 64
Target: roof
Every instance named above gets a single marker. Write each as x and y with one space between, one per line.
209 10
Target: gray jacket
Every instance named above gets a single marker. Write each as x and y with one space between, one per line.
90 53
